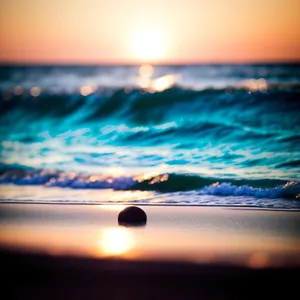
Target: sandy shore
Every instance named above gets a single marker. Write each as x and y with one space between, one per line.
246 237
80 252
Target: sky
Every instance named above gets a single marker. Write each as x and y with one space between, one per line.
156 31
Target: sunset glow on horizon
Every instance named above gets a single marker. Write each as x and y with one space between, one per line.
134 31
149 45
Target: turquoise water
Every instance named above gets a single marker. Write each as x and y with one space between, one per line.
186 133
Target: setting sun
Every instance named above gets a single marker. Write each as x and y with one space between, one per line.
149 45
134 31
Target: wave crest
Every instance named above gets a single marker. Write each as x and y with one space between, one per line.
264 188
140 108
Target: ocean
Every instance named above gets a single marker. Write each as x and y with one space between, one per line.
225 135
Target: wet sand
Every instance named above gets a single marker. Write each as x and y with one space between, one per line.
220 247
248 237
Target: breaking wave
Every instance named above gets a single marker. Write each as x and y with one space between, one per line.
164 183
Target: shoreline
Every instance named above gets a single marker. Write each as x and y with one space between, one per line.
57 195
246 207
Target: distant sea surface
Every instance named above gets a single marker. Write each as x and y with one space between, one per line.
188 134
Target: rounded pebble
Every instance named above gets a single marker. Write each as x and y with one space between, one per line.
132 216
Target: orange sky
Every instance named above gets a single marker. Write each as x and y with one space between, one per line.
161 31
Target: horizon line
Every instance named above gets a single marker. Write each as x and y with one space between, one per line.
157 63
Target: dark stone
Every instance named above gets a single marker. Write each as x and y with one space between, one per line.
132 216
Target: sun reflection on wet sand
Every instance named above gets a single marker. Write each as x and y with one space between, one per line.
112 207
127 196
115 242
190 234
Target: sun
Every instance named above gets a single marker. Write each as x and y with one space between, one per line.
149 45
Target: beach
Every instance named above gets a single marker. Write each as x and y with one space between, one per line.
235 236
149 149
81 251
